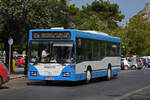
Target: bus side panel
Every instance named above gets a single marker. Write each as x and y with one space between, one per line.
100 73
115 71
99 68
103 73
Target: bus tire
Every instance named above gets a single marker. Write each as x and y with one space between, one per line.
109 73
88 76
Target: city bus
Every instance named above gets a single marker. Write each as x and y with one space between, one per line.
72 55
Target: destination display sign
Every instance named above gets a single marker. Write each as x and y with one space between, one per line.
51 35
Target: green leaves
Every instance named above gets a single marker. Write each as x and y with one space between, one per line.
19 16
100 14
137 35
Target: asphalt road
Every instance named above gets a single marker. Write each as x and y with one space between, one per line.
129 85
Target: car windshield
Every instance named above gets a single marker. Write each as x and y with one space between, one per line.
55 52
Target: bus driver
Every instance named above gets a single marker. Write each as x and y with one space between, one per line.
44 55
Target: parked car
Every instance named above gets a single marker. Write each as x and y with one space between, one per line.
21 62
17 57
2 59
136 63
4 77
124 64
146 61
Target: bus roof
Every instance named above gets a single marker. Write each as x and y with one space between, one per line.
86 34
96 35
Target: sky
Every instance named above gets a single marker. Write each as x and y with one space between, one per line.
128 7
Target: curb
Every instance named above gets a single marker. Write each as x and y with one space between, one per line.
17 77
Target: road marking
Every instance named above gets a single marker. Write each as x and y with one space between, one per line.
132 93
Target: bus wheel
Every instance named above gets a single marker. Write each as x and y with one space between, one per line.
88 76
109 73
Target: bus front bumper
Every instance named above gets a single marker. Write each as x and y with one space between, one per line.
72 77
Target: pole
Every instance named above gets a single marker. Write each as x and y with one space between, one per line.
9 57
10 42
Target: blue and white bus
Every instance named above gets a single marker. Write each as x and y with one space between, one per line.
73 55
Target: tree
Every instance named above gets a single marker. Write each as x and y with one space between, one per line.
62 14
121 32
93 24
138 34
99 12
19 16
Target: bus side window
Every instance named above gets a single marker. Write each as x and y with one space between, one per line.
80 50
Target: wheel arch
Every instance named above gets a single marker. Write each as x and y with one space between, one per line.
109 66
89 68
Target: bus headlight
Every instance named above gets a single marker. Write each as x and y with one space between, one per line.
66 74
34 73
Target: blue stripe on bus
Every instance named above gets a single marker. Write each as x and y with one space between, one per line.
103 73
100 73
116 71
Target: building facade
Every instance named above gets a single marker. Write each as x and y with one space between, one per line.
145 12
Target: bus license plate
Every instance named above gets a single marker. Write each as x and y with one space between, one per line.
50 78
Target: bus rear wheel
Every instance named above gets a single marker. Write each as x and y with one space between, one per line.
88 76
109 73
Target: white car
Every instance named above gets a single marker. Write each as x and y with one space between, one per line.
125 63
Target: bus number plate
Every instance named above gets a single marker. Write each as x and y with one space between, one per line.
50 78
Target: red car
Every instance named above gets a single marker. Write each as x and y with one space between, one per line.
21 62
4 77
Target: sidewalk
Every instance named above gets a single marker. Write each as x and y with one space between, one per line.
19 73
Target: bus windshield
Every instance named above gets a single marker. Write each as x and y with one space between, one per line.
51 52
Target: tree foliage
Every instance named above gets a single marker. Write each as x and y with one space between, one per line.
100 15
138 34
19 16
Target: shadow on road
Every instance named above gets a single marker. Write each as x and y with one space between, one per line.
4 87
68 83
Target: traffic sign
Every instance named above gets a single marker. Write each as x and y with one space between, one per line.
10 41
